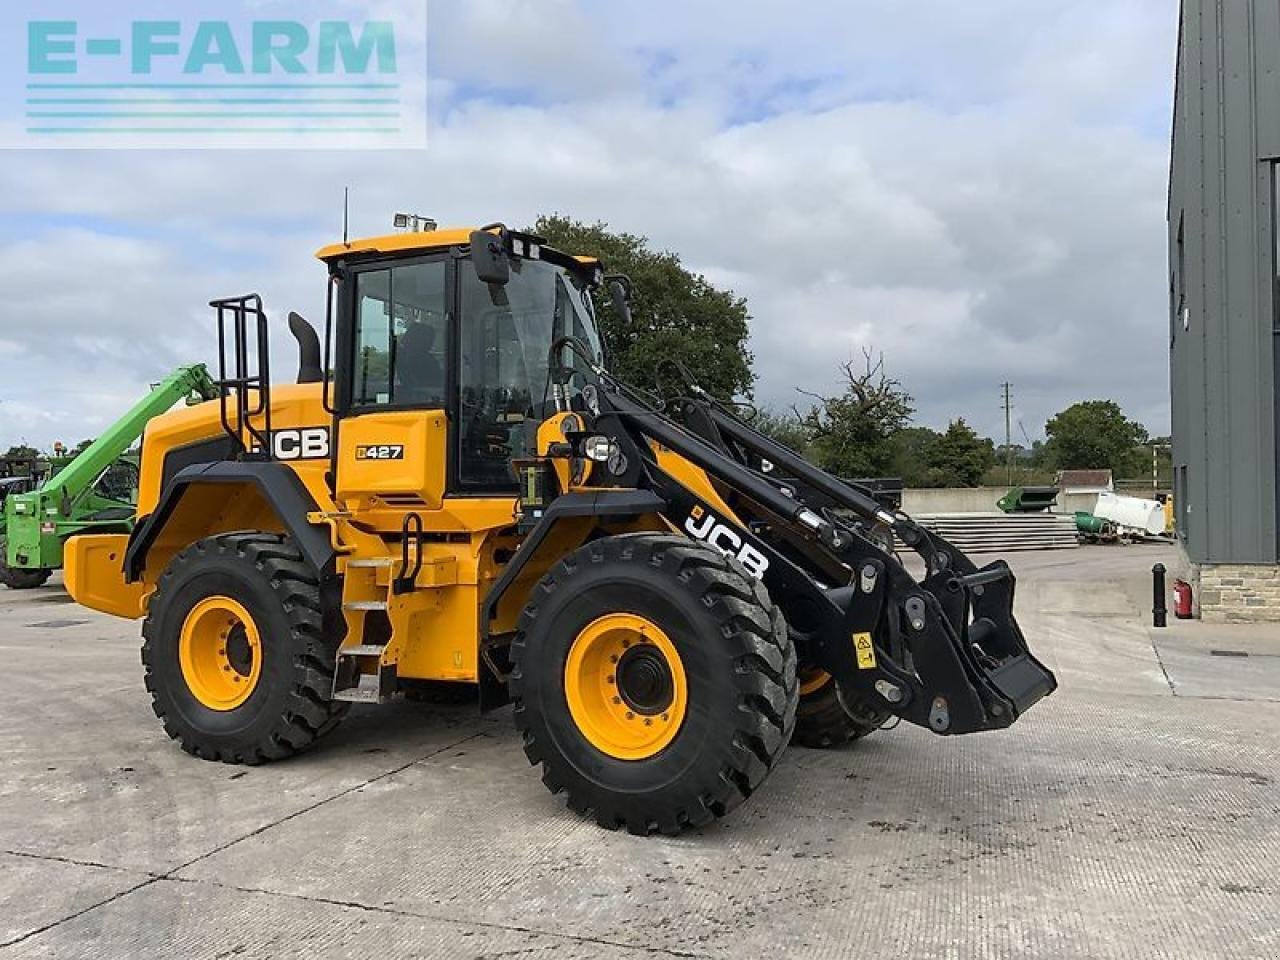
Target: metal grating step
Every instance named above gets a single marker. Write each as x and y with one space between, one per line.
367 690
362 650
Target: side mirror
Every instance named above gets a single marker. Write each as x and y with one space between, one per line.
489 258
620 297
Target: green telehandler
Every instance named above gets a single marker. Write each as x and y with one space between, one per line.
94 493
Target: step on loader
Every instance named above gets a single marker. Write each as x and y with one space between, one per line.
471 501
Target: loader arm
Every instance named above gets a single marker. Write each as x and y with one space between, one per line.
944 652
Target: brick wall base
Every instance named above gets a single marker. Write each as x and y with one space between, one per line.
1237 592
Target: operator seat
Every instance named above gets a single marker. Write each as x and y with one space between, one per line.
419 372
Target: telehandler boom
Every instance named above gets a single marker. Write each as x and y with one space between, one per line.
87 495
472 500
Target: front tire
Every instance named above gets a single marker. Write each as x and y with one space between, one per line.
655 682
238 663
19 578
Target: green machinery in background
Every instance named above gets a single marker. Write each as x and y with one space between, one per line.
1091 527
93 493
1028 499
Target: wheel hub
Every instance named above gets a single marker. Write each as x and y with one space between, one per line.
644 680
625 686
239 651
220 653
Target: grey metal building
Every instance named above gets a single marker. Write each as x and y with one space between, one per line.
1224 324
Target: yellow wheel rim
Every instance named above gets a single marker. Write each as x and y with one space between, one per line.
220 653
626 686
811 681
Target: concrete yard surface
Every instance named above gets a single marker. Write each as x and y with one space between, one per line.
1135 813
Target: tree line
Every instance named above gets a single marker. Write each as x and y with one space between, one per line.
867 431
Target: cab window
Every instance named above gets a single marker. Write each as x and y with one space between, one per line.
400 336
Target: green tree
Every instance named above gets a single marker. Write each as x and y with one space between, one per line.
913 450
959 457
676 313
22 449
1094 435
79 448
787 428
853 433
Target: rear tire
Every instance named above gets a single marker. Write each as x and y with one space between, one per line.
822 721
19 578
262 691
701 661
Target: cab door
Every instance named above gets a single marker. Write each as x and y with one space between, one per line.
392 441
503 384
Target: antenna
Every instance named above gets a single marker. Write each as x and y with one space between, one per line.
346 215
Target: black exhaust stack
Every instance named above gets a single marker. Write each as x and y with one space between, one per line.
309 368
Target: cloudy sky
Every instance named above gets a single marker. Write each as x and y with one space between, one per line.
975 189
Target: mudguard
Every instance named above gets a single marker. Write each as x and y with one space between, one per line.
279 486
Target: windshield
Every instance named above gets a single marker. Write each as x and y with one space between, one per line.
576 316
506 333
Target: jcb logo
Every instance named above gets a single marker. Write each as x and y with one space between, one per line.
702 525
307 443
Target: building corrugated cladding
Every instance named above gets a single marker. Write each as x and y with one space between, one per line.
1224 332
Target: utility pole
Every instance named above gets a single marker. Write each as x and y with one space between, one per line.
1155 463
1008 431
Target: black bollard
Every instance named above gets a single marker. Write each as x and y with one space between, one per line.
1159 611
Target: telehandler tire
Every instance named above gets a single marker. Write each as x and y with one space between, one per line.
655 682
17 578
238 663
823 722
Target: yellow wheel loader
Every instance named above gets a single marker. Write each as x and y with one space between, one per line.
470 500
